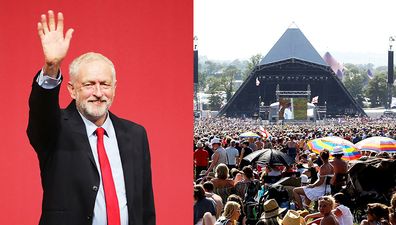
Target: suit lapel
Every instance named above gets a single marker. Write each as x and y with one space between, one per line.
126 149
78 127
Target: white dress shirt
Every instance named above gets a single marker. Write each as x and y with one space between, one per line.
112 151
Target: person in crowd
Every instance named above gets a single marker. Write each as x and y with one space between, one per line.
268 144
242 218
302 144
242 187
209 187
201 159
252 144
321 187
312 171
315 159
377 214
271 214
326 205
259 144
208 149
343 213
232 155
223 186
232 211
202 204
234 172
246 150
219 155
340 170
292 146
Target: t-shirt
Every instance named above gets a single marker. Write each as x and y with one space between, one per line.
232 154
201 157
346 218
222 156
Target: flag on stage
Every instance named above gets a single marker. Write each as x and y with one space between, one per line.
263 132
337 67
315 100
370 74
257 82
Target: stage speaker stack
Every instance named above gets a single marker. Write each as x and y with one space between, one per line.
195 66
390 67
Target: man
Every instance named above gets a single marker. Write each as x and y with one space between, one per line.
246 150
202 204
232 156
201 159
219 155
209 187
340 170
95 167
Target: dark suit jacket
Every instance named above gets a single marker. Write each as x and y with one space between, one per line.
69 175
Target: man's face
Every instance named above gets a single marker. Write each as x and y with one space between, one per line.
93 88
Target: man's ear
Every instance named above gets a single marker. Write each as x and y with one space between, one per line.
115 86
71 90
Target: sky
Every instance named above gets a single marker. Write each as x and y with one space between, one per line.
353 31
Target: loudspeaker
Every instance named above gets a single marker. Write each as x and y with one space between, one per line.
195 66
390 67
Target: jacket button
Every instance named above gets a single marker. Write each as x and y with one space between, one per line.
89 217
95 188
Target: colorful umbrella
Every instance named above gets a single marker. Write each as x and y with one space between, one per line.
351 152
249 134
377 144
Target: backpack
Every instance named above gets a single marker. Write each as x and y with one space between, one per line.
251 191
252 210
252 207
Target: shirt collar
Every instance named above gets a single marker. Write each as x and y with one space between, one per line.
91 127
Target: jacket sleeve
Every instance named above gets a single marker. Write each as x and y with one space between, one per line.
44 114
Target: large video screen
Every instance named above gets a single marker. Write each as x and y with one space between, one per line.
292 109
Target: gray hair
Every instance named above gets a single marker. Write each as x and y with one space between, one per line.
86 58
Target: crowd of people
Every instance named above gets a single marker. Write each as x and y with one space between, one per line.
311 190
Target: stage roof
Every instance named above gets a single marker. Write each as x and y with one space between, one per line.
293 44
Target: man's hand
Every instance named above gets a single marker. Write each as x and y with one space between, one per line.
55 45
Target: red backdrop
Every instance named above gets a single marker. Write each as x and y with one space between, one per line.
150 43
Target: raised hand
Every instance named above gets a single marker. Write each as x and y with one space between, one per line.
55 45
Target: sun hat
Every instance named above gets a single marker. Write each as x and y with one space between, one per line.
337 151
215 141
292 218
271 209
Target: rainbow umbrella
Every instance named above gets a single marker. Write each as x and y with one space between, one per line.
377 144
351 152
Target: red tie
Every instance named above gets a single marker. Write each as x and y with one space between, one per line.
112 209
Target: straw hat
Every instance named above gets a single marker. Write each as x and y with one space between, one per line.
271 209
292 218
